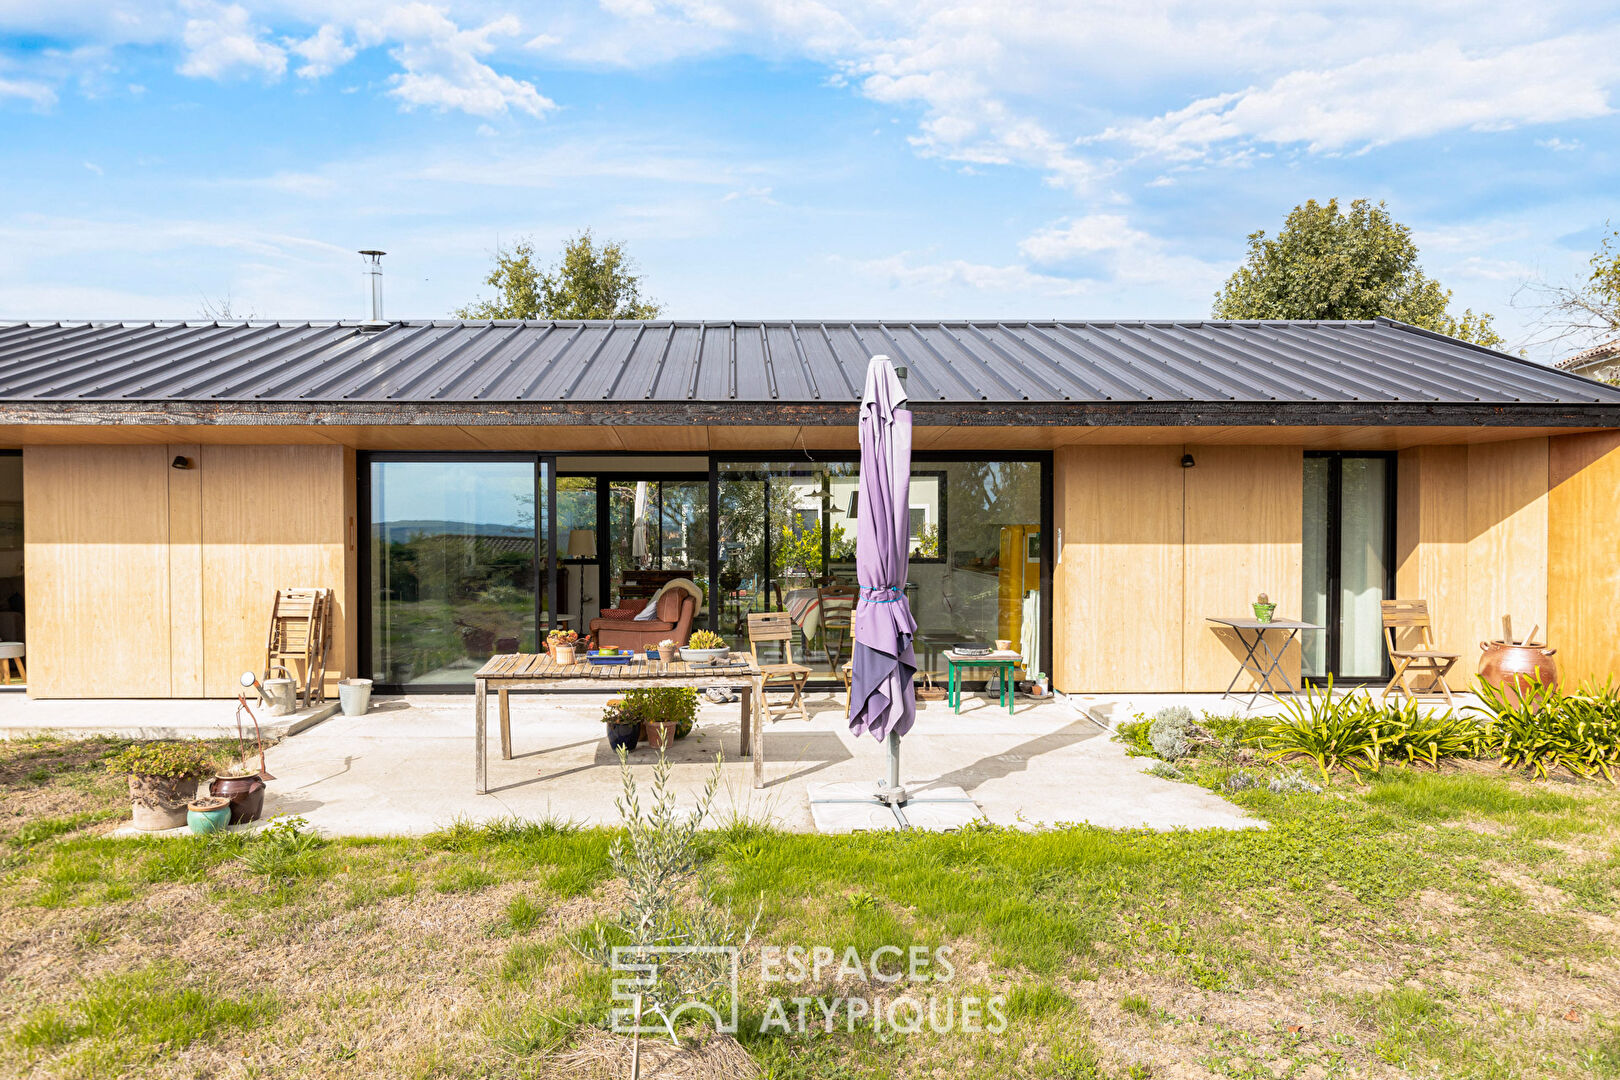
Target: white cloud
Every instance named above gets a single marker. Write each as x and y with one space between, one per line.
1396 96
325 51
443 69
222 40
1108 245
902 271
41 95
1557 144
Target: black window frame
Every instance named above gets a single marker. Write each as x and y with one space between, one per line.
1334 528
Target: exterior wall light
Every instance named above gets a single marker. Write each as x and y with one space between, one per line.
180 463
1187 461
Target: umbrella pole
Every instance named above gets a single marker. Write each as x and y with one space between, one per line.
891 792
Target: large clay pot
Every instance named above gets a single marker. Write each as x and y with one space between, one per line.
246 794
1510 668
160 801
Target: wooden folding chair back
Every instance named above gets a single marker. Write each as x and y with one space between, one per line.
300 634
837 605
774 627
1416 657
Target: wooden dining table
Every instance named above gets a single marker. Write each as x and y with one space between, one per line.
538 671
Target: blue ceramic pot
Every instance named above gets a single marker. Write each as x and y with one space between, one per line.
205 821
623 735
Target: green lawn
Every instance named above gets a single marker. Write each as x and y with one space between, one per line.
1461 923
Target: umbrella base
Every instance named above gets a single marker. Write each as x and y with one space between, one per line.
855 807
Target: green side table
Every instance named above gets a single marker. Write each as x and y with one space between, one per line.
1003 662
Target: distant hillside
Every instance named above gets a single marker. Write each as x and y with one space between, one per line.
396 531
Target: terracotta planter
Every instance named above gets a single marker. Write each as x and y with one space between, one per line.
160 801
660 735
563 654
1512 668
246 794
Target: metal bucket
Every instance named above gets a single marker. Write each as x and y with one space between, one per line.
354 695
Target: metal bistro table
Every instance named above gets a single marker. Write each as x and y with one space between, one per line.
538 671
957 663
1266 667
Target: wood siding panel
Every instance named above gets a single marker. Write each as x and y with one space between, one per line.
1244 531
1507 542
1583 555
272 517
1120 512
185 575
1432 544
96 552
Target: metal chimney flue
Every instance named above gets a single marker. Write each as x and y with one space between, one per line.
374 273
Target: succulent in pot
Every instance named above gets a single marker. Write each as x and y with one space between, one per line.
1263 608
704 646
163 778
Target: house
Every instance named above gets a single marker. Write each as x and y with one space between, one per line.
1601 362
1091 490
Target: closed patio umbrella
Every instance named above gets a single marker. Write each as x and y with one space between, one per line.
883 701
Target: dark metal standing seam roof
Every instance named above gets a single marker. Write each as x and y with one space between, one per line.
1039 364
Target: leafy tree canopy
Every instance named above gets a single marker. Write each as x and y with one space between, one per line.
591 282
1327 264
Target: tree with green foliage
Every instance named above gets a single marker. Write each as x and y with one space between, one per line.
1327 264
591 282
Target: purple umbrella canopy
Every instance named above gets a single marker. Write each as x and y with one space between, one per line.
883 700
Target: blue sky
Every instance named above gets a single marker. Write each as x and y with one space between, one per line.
801 158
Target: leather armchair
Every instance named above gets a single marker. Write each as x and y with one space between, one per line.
673 620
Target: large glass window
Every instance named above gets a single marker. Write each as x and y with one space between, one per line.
787 541
456 567
1348 529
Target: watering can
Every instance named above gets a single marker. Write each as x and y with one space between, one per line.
279 696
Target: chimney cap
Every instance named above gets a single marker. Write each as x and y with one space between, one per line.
372 251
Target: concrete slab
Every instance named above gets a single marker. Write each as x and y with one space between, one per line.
153 718
407 767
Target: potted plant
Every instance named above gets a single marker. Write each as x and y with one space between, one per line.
562 645
163 778
664 650
703 646
623 725
1263 607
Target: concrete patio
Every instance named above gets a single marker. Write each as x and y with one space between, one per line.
407 767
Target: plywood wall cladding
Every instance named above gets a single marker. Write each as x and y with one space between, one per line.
1118 611
1244 513
149 581
96 552
1431 543
1507 541
1583 554
272 517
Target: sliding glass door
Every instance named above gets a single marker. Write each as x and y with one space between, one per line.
457 565
1348 547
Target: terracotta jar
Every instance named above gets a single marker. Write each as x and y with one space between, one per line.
1508 667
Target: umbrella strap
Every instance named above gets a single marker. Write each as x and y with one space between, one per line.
867 594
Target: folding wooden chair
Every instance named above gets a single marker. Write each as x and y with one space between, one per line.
837 606
1422 660
769 626
300 631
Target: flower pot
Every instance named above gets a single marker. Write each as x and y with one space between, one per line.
660 734
623 736
159 802
246 795
703 656
653 653
563 654
354 696
1513 669
208 815
1262 612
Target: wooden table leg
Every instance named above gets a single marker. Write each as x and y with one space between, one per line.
506 724
481 769
756 732
744 743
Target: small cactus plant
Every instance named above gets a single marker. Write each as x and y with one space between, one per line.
1263 607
